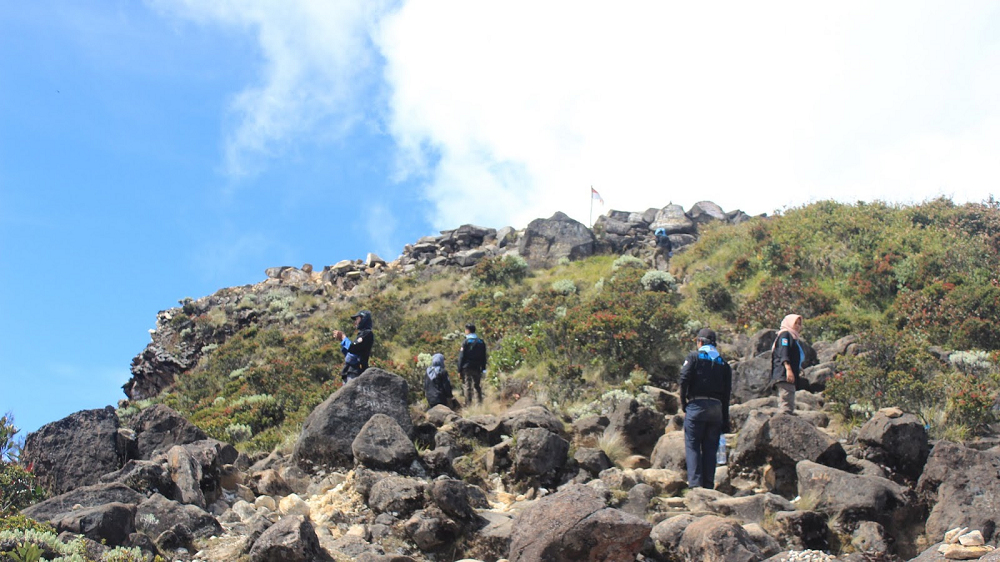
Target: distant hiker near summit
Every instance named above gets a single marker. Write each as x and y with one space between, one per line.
356 352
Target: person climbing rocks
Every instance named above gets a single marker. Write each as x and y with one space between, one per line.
664 249
437 385
472 364
787 357
706 383
357 351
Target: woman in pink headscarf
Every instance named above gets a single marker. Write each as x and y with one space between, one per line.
787 357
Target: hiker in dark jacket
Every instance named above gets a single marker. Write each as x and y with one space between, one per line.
787 357
357 351
437 386
664 249
706 383
472 364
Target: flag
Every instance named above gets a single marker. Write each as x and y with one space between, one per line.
595 195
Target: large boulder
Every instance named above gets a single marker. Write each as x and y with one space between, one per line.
746 509
573 525
669 452
800 530
782 441
159 428
292 539
704 212
173 525
896 440
83 497
545 241
963 487
527 413
539 452
383 445
75 451
851 498
396 494
638 425
111 523
330 430
715 539
459 500
147 477
752 378
674 220
431 529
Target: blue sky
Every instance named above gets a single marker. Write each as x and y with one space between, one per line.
155 150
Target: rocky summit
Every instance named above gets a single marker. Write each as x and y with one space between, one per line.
237 441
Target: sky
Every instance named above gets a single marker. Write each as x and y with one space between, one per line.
162 149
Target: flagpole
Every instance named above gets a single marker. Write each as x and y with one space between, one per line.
591 207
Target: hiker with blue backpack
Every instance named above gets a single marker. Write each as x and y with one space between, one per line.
356 351
472 364
664 249
706 383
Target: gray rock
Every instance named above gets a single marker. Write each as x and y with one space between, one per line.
897 442
962 486
574 524
85 497
640 426
545 241
592 460
638 500
383 445
147 477
526 413
431 529
668 403
714 539
159 428
767 544
270 483
173 525
590 428
704 212
871 537
747 509
459 500
74 451
666 535
186 475
492 542
330 430
752 378
397 494
292 539
801 530
110 523
846 345
669 453
674 220
539 452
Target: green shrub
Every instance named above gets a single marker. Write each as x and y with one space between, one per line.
564 287
659 281
18 488
779 297
500 270
10 443
628 261
715 297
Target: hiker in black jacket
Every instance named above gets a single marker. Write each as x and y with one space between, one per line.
357 351
706 382
472 364
437 385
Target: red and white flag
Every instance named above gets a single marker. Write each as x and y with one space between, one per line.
595 195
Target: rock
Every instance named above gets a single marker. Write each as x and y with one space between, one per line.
588 430
851 498
186 475
714 539
668 403
539 452
638 425
846 345
973 538
85 497
762 341
767 544
897 442
669 453
748 509
468 258
111 523
962 552
159 428
674 220
371 260
545 241
752 378
396 494
801 530
74 451
665 482
592 460
492 542
459 500
638 500
292 539
666 535
440 415
147 477
962 486
574 524
293 505
524 414
871 537
782 441
383 445
270 483
294 276
817 375
704 212
330 430
173 525
431 529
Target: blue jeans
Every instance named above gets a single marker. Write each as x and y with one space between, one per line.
702 427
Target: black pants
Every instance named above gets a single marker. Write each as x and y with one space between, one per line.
471 380
350 372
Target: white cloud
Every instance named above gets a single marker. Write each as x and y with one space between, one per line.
512 110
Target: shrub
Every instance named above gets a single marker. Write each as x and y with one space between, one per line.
564 287
778 297
659 281
715 296
628 261
10 444
500 270
18 488
239 432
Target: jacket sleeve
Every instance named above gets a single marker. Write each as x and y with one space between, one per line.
727 393
461 353
486 356
782 348
687 370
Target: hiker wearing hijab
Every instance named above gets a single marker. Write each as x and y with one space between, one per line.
787 357
437 385
706 383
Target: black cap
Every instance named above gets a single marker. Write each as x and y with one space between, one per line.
360 314
706 334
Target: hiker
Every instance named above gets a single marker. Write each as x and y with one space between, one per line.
437 385
472 364
787 357
664 249
357 351
706 382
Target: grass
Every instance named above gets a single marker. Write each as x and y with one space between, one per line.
614 446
